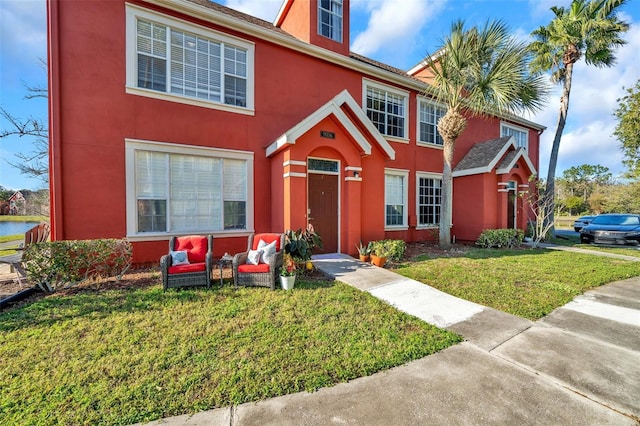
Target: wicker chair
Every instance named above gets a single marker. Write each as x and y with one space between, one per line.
263 274
197 272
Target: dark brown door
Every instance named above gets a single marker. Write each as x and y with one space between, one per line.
323 209
511 210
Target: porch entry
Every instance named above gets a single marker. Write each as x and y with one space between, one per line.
323 177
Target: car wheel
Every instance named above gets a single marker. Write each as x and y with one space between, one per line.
584 240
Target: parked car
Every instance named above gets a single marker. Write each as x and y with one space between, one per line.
612 229
581 222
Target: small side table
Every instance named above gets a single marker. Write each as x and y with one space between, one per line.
225 261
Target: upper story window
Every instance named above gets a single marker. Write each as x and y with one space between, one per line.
173 189
387 109
181 62
330 19
520 134
428 115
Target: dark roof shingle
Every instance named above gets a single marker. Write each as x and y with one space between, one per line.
482 154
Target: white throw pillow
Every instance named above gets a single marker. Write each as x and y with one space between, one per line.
268 251
179 257
254 257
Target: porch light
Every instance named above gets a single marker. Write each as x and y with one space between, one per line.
356 174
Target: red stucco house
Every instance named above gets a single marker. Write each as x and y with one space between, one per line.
172 117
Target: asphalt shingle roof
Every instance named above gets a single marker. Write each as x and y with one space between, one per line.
482 154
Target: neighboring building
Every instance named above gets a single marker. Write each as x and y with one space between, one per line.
17 204
183 116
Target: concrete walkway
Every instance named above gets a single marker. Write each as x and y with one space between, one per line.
580 365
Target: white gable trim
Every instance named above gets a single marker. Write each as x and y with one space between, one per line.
522 153
333 107
478 170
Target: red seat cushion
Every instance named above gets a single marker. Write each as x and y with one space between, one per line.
190 267
252 269
196 247
267 238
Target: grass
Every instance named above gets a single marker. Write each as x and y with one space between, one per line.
529 283
10 218
120 356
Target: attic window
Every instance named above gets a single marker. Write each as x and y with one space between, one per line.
330 19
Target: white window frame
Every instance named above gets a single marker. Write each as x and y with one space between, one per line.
420 142
405 105
428 176
133 145
133 13
405 206
335 17
504 125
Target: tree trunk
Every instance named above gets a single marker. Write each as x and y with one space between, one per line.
450 126
553 160
446 214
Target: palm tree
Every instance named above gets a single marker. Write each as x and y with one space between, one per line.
478 72
588 29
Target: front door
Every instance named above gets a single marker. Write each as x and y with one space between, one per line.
323 209
512 210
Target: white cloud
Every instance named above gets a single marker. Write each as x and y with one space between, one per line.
587 138
23 28
263 9
394 26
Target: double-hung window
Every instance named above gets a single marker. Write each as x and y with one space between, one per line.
330 19
395 198
429 113
387 109
187 63
429 203
521 135
174 189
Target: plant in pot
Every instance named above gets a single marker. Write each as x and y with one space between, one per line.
380 251
301 243
364 251
288 272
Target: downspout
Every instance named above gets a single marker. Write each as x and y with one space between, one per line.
55 157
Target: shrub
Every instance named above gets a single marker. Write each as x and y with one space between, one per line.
57 264
500 238
391 249
301 243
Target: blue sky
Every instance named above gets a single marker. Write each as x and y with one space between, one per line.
396 32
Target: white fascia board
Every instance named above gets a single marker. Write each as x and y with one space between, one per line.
469 172
510 144
345 97
521 154
334 107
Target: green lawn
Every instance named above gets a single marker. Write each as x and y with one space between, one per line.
527 282
8 218
122 356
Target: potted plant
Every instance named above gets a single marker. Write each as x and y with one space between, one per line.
380 250
301 243
287 272
364 251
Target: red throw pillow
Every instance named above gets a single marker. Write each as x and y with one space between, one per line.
196 247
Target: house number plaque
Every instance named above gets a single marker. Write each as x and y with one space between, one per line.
328 135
